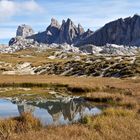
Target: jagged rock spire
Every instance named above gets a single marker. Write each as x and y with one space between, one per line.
52 31
80 29
69 32
54 23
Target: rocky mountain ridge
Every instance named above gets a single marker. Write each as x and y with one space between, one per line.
67 32
121 32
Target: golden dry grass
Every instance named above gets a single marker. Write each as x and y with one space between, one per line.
112 125
30 55
104 85
123 92
22 124
89 82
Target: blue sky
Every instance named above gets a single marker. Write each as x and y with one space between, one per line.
89 13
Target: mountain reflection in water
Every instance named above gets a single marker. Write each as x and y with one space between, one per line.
57 111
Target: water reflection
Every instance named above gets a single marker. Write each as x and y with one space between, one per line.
60 111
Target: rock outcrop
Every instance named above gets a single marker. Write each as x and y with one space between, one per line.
80 29
22 42
121 32
76 65
24 31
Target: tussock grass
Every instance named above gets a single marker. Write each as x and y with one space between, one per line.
113 124
84 82
118 112
114 99
26 122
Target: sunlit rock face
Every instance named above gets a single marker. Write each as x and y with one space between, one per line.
52 31
69 32
24 31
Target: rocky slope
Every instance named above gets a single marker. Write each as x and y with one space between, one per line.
108 49
58 62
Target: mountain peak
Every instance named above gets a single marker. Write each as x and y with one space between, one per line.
63 21
24 30
69 20
80 29
54 22
136 15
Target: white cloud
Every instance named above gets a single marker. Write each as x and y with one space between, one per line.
9 8
30 6
94 13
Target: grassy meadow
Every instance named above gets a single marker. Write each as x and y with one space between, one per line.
120 120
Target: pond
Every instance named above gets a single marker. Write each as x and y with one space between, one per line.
49 111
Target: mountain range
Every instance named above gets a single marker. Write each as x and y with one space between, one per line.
121 32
